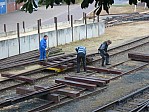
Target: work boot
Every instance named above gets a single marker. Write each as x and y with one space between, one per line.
103 65
42 62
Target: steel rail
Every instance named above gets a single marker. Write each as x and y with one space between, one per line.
124 73
30 72
27 55
32 61
126 17
24 62
128 72
123 99
126 49
28 96
22 83
48 106
29 59
141 107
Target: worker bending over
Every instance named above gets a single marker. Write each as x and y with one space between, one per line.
81 55
103 52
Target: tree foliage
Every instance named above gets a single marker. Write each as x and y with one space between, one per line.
105 4
99 4
136 1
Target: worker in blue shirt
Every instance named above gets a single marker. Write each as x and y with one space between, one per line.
42 48
103 52
81 55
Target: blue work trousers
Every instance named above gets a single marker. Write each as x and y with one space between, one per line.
42 54
81 56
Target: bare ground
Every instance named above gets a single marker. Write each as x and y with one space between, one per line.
118 34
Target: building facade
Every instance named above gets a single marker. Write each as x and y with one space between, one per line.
7 6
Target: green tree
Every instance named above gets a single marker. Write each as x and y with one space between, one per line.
99 4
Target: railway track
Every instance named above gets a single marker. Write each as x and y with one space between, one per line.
137 101
70 60
113 52
32 57
136 67
95 56
49 106
126 18
26 58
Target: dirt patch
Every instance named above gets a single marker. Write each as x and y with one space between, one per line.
118 34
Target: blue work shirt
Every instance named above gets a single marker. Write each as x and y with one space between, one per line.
43 44
81 49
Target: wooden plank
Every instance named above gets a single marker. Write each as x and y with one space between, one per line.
95 78
28 96
103 70
139 57
38 87
21 78
24 78
51 97
7 75
69 93
88 81
22 90
77 84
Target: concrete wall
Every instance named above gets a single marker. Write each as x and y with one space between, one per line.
60 37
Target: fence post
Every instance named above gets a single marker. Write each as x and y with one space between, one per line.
18 34
5 29
98 25
83 17
72 26
55 21
85 24
68 14
38 24
24 26
8 47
